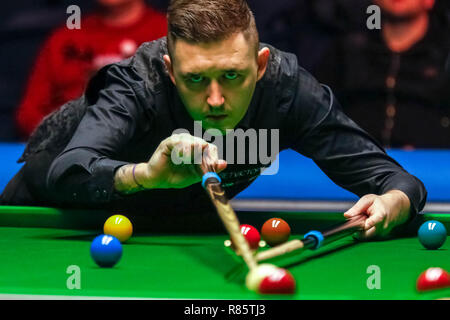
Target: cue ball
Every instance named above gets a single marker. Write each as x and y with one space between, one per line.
118 226
106 250
432 234
256 275
275 231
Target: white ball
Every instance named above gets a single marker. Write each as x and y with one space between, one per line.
256 276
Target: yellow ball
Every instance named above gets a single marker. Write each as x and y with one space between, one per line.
118 226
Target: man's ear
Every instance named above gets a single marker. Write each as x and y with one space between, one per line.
263 60
169 67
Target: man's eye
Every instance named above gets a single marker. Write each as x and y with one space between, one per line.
231 75
196 78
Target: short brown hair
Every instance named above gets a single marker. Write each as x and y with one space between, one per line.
204 21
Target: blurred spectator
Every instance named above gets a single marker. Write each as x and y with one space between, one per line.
392 81
69 57
306 27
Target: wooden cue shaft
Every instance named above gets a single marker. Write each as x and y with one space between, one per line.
229 218
231 222
280 250
347 227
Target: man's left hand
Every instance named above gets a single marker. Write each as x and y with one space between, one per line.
384 213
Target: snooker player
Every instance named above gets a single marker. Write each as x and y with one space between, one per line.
112 147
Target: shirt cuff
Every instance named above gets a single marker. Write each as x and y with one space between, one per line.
412 187
103 191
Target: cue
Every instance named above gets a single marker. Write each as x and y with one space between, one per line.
227 214
311 242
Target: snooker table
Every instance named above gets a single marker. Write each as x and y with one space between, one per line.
185 258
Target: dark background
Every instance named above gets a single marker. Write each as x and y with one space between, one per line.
305 27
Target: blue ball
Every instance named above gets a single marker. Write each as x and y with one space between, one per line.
106 250
432 234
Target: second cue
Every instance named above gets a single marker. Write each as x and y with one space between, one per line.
314 239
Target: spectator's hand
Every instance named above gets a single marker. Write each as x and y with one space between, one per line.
384 213
175 162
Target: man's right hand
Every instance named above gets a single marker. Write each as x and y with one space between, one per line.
173 165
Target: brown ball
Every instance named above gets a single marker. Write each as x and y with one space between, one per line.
275 231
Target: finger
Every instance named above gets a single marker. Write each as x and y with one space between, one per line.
373 225
360 207
366 234
184 139
211 152
221 165
211 157
197 152
184 148
375 219
176 154
377 214
181 154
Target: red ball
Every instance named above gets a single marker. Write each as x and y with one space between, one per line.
279 282
433 278
251 234
275 231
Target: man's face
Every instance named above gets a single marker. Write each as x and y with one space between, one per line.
216 80
405 8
